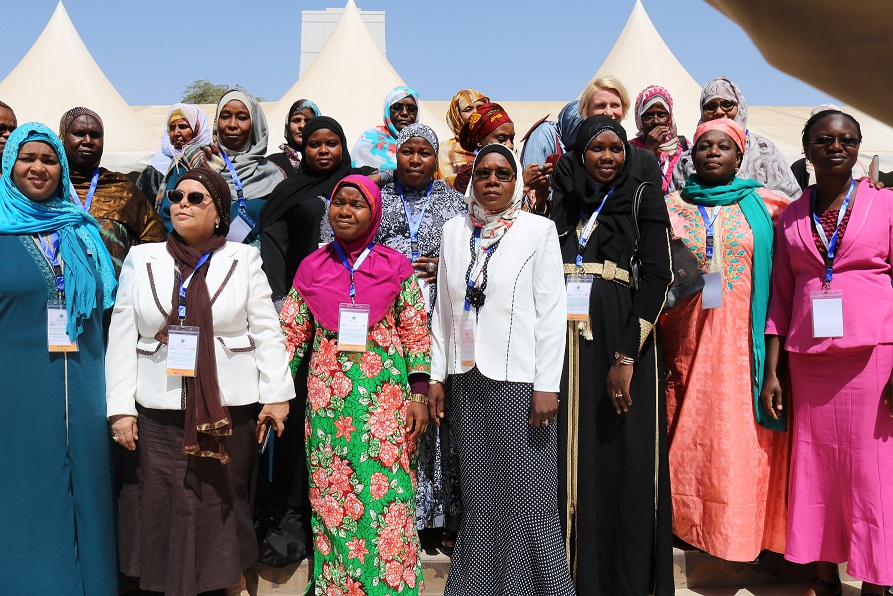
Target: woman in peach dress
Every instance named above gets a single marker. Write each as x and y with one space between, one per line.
728 459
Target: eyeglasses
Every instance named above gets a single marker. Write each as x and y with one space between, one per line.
195 197
845 142
659 116
5 129
502 174
404 107
726 105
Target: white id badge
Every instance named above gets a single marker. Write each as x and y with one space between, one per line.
425 287
238 229
827 313
467 329
57 324
353 327
182 350
711 295
578 289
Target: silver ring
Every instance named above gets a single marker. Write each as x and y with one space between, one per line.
115 438
431 267
545 423
618 395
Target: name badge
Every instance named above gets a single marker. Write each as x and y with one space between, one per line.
182 350
467 330
238 229
425 287
711 295
353 327
57 328
578 289
827 313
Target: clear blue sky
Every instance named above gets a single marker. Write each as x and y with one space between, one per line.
515 49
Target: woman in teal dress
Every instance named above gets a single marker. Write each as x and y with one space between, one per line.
365 408
57 511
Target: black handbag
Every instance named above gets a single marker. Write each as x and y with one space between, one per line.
687 278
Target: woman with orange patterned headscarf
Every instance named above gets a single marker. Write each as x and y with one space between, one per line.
453 156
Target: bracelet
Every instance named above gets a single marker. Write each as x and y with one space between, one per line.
434 382
419 398
625 360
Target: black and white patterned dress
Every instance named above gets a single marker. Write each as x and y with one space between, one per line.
438 501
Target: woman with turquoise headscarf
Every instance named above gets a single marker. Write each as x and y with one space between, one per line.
58 515
728 459
377 147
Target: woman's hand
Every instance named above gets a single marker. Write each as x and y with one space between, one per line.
543 408
278 413
619 378
655 138
421 270
537 177
417 419
888 394
125 431
436 401
772 397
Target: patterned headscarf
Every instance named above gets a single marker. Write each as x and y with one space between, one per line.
74 113
377 146
201 134
483 121
301 104
460 101
418 130
649 96
723 88
730 127
494 224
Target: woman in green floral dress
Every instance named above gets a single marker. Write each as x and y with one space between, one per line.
365 408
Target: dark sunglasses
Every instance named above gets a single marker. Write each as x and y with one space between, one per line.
401 107
827 141
5 129
195 197
725 105
502 174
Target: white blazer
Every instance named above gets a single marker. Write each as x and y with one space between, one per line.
250 349
522 327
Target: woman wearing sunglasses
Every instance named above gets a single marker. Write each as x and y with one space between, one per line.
831 310
194 345
377 147
498 330
762 161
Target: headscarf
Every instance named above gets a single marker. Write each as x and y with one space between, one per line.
323 281
258 175
648 97
419 130
296 107
20 215
377 146
483 121
201 134
494 224
207 418
569 121
460 101
723 88
73 114
743 192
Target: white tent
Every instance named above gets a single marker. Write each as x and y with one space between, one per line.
76 81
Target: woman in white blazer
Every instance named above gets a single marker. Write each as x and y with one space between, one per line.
499 328
185 520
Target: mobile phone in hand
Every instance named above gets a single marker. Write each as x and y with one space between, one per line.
553 159
267 429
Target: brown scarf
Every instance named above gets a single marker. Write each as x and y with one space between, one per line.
207 419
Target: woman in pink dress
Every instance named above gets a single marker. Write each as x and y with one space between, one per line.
728 460
832 311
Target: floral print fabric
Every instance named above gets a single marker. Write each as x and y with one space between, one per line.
362 466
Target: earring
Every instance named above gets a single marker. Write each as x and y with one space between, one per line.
736 170
216 224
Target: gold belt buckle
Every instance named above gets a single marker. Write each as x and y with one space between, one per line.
610 270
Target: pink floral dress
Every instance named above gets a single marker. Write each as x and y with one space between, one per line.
362 466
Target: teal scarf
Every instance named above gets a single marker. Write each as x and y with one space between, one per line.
20 215
744 193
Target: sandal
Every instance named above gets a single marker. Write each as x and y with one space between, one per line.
835 587
448 543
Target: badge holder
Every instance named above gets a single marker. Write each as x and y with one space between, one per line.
711 295
182 351
239 229
467 330
353 327
57 328
579 287
827 313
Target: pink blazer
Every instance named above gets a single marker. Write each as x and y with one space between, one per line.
862 271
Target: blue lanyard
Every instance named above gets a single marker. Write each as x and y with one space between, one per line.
588 229
51 252
708 226
88 201
472 274
414 225
184 285
352 268
237 182
831 246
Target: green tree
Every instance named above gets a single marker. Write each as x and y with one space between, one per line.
204 91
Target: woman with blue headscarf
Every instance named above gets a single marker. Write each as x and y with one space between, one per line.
377 147
58 279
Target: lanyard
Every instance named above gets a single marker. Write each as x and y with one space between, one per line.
51 252
88 201
478 265
831 246
184 285
414 224
708 226
237 182
588 229
351 269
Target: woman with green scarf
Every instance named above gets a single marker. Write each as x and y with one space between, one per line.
728 459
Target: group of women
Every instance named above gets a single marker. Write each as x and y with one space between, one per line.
465 340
